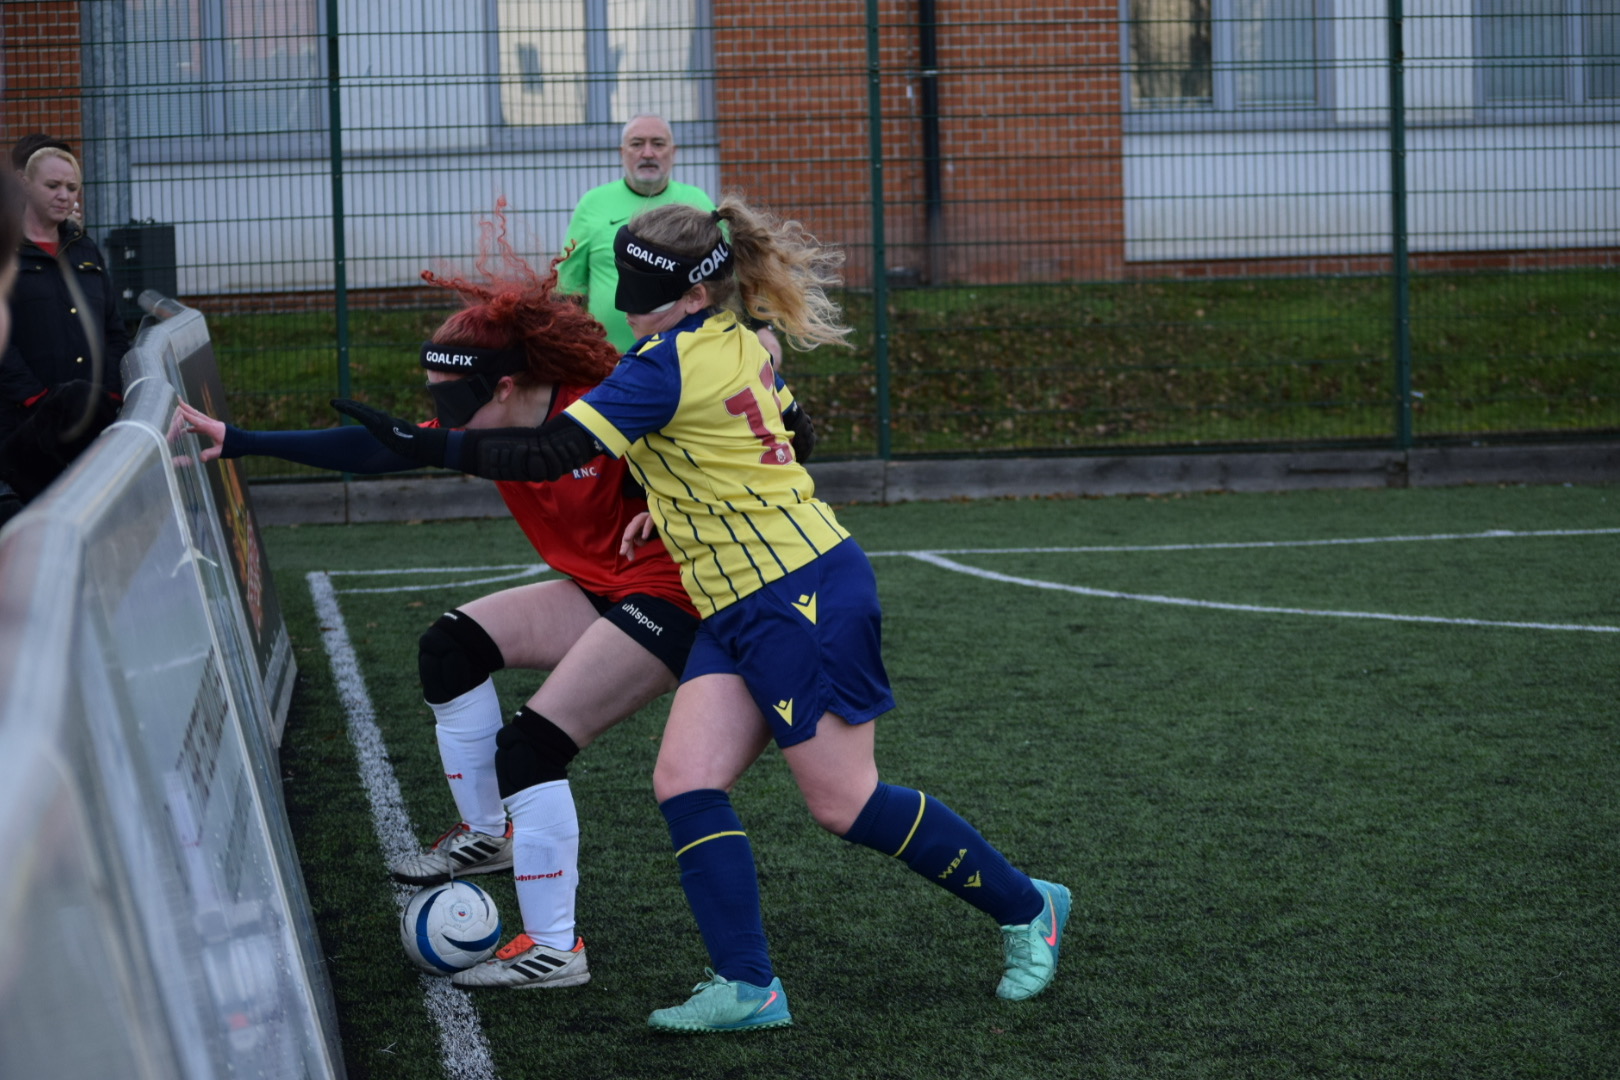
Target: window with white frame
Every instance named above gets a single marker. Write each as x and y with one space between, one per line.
214 68
1549 52
601 61
1224 55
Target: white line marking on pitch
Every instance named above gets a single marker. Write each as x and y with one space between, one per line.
462 1045
1180 601
1491 534
437 570
515 572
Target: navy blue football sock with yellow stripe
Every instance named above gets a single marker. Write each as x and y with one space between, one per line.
717 873
931 839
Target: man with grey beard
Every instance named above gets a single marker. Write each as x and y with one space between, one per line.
647 149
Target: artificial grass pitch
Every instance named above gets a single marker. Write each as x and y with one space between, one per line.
1300 845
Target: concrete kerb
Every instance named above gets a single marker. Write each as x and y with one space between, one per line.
430 498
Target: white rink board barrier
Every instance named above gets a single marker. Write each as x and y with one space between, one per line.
156 922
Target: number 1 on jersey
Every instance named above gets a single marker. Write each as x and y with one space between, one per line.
746 403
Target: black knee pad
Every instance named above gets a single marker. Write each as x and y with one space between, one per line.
531 750
454 655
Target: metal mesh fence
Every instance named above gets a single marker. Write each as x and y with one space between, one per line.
1083 228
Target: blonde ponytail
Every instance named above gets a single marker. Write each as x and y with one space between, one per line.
781 274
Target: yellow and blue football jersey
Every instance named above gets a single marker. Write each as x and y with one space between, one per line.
697 411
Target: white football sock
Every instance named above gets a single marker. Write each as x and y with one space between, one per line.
545 861
466 730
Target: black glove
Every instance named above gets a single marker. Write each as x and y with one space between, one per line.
430 446
803 431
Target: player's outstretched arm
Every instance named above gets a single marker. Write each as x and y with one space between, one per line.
533 454
339 449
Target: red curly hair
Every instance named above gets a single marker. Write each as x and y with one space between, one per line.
513 307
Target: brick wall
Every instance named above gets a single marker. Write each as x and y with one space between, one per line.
1029 139
41 43
1032 143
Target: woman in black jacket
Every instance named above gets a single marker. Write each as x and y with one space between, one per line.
60 373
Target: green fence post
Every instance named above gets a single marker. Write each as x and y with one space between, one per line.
880 270
340 276
1401 271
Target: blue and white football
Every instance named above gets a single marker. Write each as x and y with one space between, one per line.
448 928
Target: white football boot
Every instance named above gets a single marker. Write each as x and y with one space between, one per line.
521 964
457 853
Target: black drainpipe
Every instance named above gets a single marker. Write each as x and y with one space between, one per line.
933 198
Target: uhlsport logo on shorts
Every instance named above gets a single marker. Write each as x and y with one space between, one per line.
636 614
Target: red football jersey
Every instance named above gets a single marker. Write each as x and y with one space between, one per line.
576 522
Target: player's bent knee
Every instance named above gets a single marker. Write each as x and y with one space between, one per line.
667 785
453 656
531 750
835 802
674 776
837 816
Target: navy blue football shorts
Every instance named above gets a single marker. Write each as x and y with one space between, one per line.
662 628
806 644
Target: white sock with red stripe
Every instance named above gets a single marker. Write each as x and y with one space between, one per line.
466 731
545 861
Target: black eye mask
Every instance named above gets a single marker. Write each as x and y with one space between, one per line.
456 401
650 277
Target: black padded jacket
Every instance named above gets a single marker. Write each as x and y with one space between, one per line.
49 344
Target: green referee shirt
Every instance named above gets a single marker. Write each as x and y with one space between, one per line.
589 271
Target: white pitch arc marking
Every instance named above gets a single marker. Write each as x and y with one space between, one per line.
1181 601
462 1045
1491 534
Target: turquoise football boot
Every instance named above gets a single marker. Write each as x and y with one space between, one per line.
1032 949
719 1004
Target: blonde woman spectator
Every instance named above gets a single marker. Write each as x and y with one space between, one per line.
59 375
